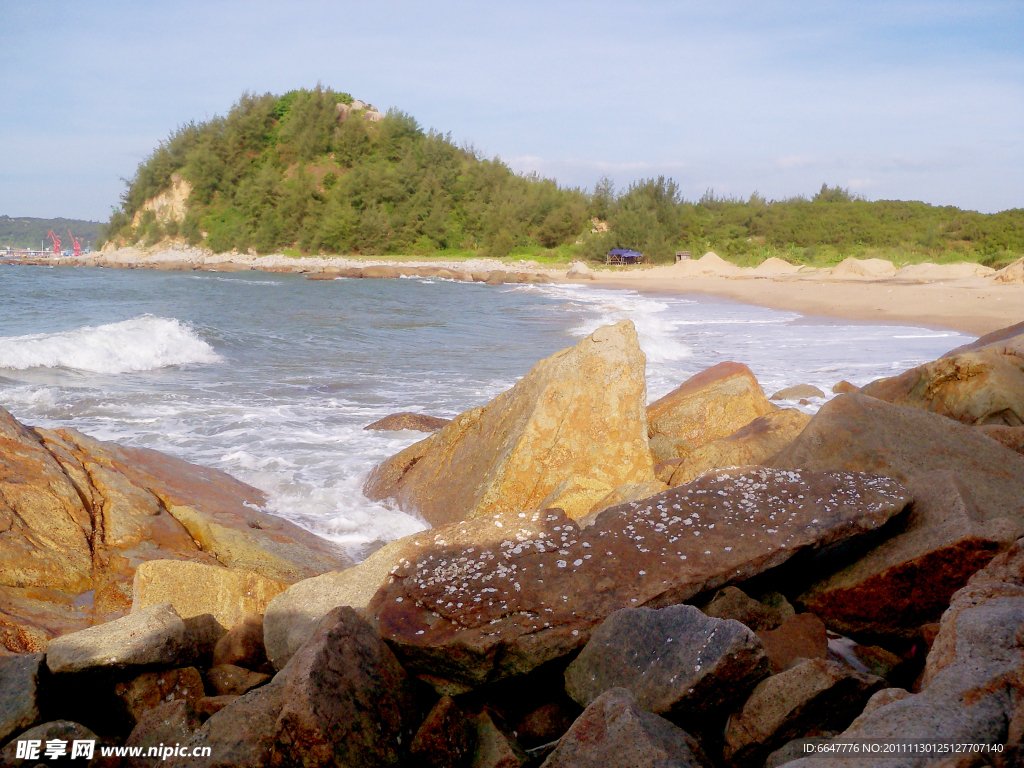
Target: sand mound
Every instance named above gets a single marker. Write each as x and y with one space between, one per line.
1013 274
929 271
579 269
708 265
869 268
774 266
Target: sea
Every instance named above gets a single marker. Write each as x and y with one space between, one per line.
271 377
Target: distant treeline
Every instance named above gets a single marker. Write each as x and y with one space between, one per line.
306 171
24 232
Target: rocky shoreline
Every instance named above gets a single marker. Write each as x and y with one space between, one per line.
709 580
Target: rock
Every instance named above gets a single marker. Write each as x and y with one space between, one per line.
546 723
802 636
447 739
720 529
883 697
795 393
1008 340
292 616
242 645
153 636
709 406
621 495
665 449
228 594
844 388
495 746
733 603
754 443
150 689
240 735
971 684
229 680
814 695
797 748
208 706
985 386
419 422
57 730
580 271
871 659
778 602
615 732
496 277
165 726
676 661
347 701
381 272
19 693
1011 437
576 423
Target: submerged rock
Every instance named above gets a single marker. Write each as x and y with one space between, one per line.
419 422
491 597
569 432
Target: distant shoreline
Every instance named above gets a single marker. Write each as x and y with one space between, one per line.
935 297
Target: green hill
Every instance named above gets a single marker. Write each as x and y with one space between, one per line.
24 232
314 171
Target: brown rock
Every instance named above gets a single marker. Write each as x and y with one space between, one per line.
229 680
733 603
242 645
1011 437
981 387
797 392
381 272
844 388
228 594
546 723
567 434
495 746
614 732
814 695
872 659
802 636
754 443
420 422
622 495
490 597
166 725
150 689
446 739
709 406
1011 337
208 706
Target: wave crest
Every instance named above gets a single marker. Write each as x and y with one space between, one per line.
143 343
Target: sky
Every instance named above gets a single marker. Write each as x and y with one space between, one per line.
901 99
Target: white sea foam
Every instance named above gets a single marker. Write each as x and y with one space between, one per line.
141 344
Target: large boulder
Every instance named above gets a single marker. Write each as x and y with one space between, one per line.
572 430
815 695
971 688
968 507
754 443
228 594
676 661
79 515
616 732
491 597
708 406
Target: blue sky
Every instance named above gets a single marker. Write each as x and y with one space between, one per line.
896 100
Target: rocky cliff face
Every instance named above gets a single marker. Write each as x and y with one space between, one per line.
169 205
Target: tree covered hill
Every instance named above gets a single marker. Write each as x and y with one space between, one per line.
25 232
309 170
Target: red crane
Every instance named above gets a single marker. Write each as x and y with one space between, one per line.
56 242
77 245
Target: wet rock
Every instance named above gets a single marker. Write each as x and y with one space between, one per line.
675 661
615 732
733 603
571 431
802 636
228 594
229 680
496 747
242 645
754 443
57 730
419 422
153 636
814 695
447 738
709 406
480 600
795 393
19 693
166 725
151 689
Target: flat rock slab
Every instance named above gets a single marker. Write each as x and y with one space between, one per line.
676 661
492 597
615 732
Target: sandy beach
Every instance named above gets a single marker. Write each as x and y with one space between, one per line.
962 297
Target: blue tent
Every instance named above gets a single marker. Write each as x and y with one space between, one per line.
623 256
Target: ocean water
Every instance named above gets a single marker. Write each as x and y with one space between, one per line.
272 377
